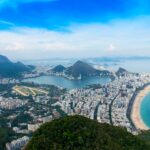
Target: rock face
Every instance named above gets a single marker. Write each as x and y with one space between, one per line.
121 72
10 69
80 133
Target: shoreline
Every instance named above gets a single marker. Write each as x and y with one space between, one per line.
135 113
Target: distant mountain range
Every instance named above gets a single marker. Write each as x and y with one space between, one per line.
10 69
78 70
81 69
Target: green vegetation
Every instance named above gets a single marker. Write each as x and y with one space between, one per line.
62 113
85 70
94 86
58 68
80 133
3 121
52 90
10 69
55 91
81 68
121 72
6 87
22 118
145 135
6 135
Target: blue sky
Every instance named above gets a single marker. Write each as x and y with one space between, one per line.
55 14
74 28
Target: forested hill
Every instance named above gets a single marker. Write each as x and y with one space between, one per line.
11 69
80 133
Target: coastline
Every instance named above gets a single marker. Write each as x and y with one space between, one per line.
135 113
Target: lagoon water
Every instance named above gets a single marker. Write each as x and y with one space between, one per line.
69 84
145 110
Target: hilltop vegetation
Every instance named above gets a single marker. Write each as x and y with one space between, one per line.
80 133
81 68
58 68
5 136
145 135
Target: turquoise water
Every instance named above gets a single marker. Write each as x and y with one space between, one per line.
69 84
145 110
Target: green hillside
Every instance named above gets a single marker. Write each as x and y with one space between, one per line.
10 69
145 135
80 133
85 70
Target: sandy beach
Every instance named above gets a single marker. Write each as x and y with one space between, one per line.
135 115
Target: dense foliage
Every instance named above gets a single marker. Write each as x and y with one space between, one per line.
121 72
58 68
145 135
21 118
5 136
80 133
6 87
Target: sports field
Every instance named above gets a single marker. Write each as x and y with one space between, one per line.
26 91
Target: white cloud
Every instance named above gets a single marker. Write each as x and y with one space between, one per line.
92 40
111 48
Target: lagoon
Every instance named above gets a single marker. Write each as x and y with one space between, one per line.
69 84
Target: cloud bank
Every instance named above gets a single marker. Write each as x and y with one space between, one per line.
82 40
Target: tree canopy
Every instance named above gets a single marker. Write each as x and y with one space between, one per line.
80 133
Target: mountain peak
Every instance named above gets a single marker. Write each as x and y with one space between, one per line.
4 59
59 68
10 69
81 69
79 62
